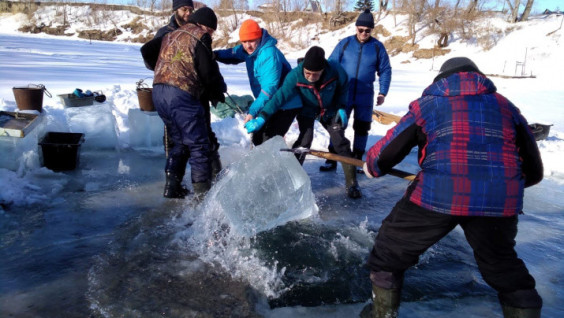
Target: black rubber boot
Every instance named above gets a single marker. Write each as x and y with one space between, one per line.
174 171
513 312
357 154
200 190
215 166
353 190
329 165
385 302
173 187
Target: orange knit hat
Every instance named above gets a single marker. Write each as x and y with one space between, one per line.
249 31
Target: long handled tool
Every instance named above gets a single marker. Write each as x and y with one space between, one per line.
238 109
385 118
351 161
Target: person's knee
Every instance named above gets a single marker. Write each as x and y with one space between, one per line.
524 298
387 280
361 127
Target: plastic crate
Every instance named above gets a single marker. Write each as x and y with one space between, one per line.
71 100
540 131
61 151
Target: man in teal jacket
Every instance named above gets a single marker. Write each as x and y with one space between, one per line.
266 67
322 87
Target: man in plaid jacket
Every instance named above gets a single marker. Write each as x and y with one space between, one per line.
477 154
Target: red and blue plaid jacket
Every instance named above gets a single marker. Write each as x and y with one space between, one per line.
476 151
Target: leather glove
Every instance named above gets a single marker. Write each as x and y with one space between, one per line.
254 125
341 117
380 99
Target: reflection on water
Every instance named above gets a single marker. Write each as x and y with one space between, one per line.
113 247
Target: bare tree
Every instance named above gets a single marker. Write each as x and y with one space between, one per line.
383 5
513 9
527 11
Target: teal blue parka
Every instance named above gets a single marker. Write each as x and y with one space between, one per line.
266 67
320 99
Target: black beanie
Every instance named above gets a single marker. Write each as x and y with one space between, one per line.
315 59
365 19
457 65
204 16
181 3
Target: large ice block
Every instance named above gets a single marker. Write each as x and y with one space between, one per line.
265 189
18 153
97 123
146 129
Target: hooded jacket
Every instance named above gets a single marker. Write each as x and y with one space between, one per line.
322 98
362 61
476 151
266 67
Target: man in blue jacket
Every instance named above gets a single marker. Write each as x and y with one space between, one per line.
266 67
362 57
322 87
477 154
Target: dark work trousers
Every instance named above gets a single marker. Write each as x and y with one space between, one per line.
409 230
211 135
277 125
336 132
185 121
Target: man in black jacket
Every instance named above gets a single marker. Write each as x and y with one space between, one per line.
185 69
150 52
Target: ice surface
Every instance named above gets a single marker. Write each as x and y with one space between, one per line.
265 189
96 122
145 129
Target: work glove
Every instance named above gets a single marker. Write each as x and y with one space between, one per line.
366 172
380 99
342 118
254 125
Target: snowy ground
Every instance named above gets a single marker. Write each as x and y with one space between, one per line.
101 240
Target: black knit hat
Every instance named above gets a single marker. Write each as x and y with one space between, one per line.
315 59
457 65
181 3
204 16
365 19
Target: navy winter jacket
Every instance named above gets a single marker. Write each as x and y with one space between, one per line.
362 61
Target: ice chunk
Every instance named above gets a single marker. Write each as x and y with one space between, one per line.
265 189
97 123
21 153
146 129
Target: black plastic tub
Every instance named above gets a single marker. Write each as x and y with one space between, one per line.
61 151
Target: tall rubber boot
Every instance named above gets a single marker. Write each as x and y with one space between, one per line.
200 190
385 302
513 312
173 187
357 154
215 165
329 165
174 171
353 190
